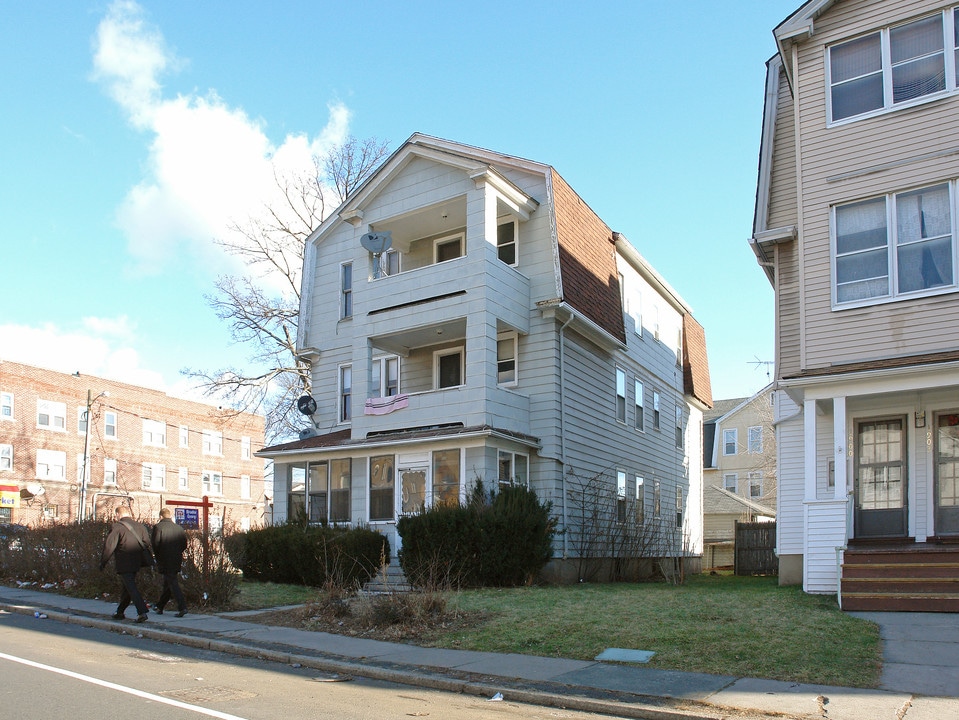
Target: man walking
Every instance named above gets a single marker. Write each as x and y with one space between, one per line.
169 542
128 543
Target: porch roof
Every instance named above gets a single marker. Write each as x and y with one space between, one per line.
342 438
882 364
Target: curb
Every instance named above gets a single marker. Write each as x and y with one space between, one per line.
643 708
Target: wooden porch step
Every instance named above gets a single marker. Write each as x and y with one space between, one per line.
901 602
901 569
919 586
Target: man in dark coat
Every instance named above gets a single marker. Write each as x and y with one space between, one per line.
169 542
126 544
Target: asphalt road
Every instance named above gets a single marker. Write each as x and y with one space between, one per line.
55 670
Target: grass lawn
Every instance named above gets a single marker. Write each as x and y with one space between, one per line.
256 595
722 624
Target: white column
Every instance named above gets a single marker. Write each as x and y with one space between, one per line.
839 446
809 449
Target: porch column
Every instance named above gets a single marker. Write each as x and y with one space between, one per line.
840 451
809 449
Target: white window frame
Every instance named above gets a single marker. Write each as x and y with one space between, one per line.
346 290
344 394
735 482
640 510
680 436
245 487
109 472
514 243
109 421
246 448
213 442
655 410
183 478
754 439
892 250
620 408
212 482
888 103
679 506
509 340
446 240
184 436
439 355
6 406
621 516
154 433
51 464
379 376
639 418
153 476
82 420
53 412
755 480
730 439
6 457
518 465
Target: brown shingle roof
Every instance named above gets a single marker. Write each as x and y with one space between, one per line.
696 362
587 259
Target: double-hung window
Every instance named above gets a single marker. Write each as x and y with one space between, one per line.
730 440
51 415
154 476
894 66
506 233
109 471
506 359
731 482
620 395
448 368
621 496
656 410
212 442
640 501
755 439
638 420
513 468
6 457
894 246
110 425
212 482
755 485
51 464
6 406
345 393
154 433
680 440
346 290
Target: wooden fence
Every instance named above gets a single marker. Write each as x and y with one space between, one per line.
755 549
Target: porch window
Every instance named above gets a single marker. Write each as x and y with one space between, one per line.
506 233
341 482
448 248
319 488
513 468
381 487
386 377
900 244
448 368
446 477
296 500
890 67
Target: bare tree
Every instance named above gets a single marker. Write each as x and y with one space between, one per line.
263 314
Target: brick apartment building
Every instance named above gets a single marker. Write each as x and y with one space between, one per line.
141 446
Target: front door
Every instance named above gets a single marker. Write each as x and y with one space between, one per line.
881 479
947 474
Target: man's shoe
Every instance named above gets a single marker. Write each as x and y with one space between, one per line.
118 616
142 618
181 613
157 609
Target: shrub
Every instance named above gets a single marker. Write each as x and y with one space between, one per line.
496 539
318 556
66 557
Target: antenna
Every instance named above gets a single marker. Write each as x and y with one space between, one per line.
757 362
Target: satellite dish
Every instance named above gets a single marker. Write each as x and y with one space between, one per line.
306 405
377 242
33 490
306 433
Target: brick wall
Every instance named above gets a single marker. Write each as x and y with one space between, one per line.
123 443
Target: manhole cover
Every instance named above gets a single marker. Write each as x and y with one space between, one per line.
209 694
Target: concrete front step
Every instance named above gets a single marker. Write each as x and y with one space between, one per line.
390 579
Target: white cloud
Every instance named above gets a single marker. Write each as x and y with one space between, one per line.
100 346
210 164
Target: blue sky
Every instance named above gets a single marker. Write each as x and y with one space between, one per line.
136 132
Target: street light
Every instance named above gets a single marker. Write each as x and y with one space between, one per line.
86 454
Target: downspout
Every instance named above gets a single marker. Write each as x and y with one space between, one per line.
562 423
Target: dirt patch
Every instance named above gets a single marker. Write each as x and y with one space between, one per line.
415 618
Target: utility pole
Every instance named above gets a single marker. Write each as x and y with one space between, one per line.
81 511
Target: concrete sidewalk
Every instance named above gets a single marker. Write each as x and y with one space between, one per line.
627 690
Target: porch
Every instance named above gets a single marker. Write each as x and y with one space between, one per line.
900 577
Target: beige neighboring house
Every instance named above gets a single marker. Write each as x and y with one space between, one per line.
739 471
856 230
